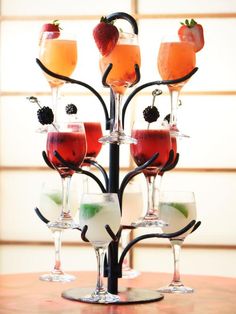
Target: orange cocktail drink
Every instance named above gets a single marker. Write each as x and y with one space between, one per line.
59 56
175 60
123 58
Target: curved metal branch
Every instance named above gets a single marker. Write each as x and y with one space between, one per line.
45 157
170 164
137 73
164 82
105 75
83 233
124 16
91 175
108 69
154 235
41 216
196 226
111 233
108 229
132 174
73 81
80 170
100 168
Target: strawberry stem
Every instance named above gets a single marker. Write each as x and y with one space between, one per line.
189 24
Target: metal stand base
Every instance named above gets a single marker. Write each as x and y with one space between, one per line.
127 295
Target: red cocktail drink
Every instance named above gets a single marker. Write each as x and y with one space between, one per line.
93 132
151 142
70 145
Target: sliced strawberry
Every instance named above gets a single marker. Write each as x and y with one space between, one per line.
106 36
53 29
192 31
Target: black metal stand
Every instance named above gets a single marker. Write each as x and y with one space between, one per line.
113 263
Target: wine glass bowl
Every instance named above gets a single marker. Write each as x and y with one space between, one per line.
58 53
93 131
178 210
69 142
176 59
124 58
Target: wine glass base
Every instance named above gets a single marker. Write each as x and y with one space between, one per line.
57 277
106 298
117 138
42 129
178 289
63 224
175 132
129 273
126 295
144 222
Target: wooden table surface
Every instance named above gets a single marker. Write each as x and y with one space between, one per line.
25 293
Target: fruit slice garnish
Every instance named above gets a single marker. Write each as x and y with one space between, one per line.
181 208
55 197
89 210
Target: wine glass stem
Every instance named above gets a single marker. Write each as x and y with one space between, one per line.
174 94
65 197
150 195
86 180
100 253
176 247
55 95
125 239
117 126
57 245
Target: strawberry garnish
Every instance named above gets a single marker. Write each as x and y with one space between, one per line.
106 36
53 29
192 31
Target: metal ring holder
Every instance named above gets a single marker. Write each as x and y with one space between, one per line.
113 262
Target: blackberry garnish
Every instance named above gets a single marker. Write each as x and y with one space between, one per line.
71 109
45 115
151 114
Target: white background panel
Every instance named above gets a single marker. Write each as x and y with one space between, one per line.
185 6
63 7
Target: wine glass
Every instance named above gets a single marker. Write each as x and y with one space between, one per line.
58 53
96 211
176 59
178 208
93 131
124 57
151 138
69 141
50 203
